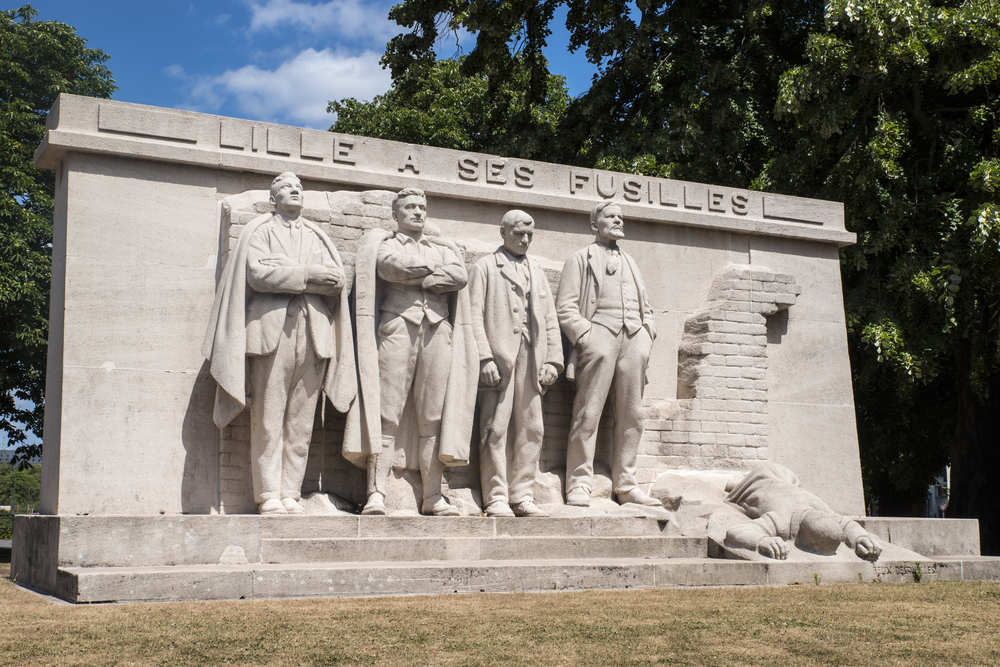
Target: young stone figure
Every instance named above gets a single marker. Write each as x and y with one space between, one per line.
604 311
781 510
520 355
281 313
423 345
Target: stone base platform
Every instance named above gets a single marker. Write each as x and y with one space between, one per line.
261 581
109 558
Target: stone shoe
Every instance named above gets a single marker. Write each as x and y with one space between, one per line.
578 497
639 498
292 506
438 506
375 505
527 508
499 508
272 506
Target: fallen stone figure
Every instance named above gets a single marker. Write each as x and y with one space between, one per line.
783 512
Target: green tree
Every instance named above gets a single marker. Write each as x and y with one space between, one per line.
38 60
899 112
684 88
446 109
889 106
20 490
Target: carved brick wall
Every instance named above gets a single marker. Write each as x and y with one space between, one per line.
720 418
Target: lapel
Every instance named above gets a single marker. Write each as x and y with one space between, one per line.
508 270
636 277
281 235
537 292
594 260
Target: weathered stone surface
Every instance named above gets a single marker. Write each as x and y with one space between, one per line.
930 537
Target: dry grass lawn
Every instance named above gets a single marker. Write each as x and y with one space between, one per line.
860 624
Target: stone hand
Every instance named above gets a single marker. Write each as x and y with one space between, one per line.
547 375
489 375
867 549
325 275
773 547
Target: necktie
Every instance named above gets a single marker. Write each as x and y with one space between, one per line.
613 261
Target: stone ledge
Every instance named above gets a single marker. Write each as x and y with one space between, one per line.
219 582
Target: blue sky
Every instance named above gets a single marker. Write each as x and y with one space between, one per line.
272 60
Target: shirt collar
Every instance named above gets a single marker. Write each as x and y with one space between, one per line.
406 238
511 257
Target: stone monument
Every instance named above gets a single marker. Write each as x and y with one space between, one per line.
346 354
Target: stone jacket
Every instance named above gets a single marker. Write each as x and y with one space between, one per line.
229 337
273 287
498 316
579 287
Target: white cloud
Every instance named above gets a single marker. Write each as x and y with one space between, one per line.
347 19
294 93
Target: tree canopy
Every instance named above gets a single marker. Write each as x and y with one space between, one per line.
448 110
38 60
891 107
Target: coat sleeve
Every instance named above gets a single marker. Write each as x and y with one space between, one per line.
273 279
568 302
478 294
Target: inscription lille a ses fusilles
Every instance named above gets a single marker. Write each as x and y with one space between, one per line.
499 172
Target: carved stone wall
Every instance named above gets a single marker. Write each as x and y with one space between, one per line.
720 418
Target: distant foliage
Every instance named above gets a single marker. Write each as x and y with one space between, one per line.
448 110
28 491
38 60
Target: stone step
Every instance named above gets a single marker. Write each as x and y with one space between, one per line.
501 548
311 526
257 581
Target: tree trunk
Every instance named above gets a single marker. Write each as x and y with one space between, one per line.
975 455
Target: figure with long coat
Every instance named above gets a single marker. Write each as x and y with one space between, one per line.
279 337
605 313
414 340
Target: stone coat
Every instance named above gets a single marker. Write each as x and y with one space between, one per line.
496 292
576 302
227 340
363 430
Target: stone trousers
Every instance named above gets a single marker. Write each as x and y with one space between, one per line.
417 358
517 407
616 365
284 390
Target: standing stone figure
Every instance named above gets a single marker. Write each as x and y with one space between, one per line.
520 355
281 315
604 311
414 339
